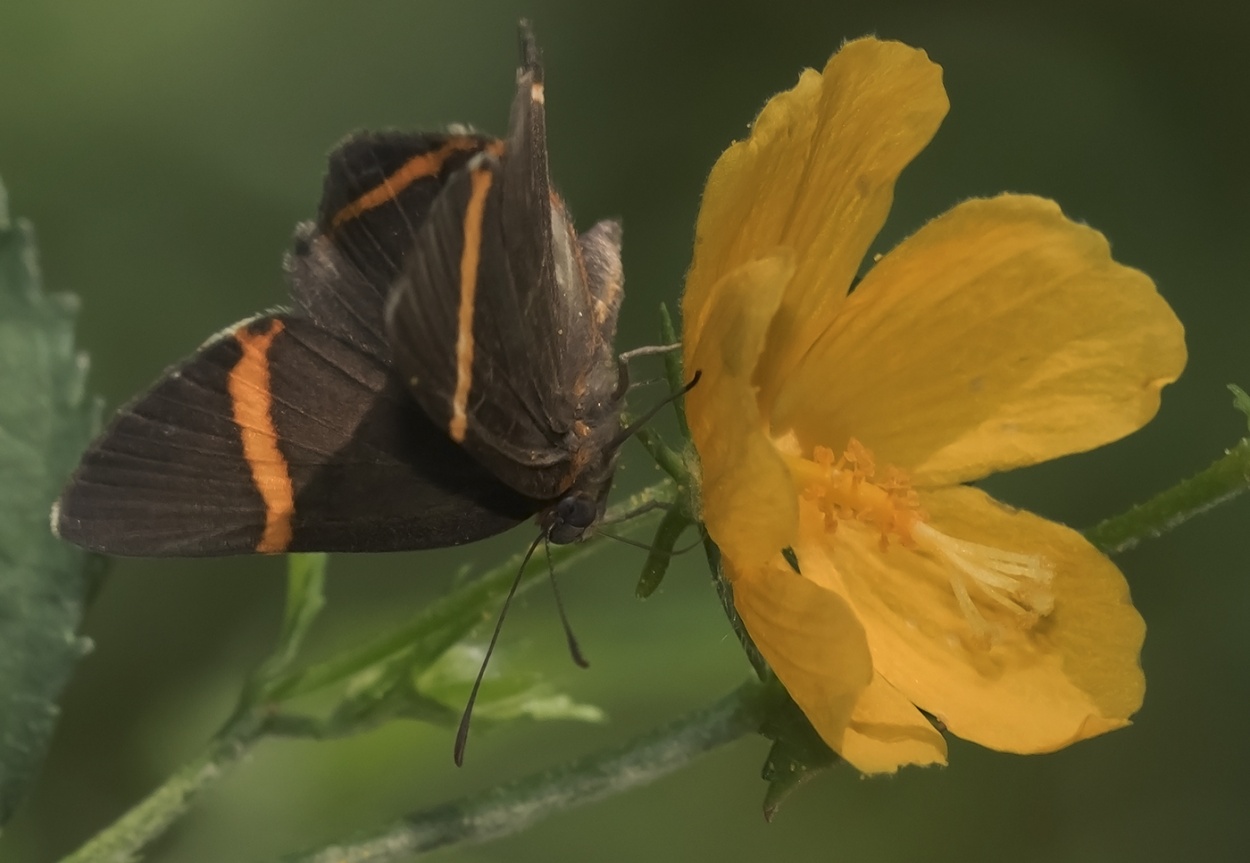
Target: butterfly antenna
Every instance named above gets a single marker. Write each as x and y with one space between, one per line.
574 650
462 733
632 429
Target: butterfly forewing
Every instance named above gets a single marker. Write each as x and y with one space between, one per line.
493 322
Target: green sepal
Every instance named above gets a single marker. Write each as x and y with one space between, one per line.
670 529
724 592
798 753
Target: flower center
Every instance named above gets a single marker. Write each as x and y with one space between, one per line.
850 487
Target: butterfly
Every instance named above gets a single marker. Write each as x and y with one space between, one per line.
444 371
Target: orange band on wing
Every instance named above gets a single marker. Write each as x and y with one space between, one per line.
469 259
417 168
252 399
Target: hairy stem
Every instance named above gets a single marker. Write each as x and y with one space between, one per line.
514 806
1224 480
126 837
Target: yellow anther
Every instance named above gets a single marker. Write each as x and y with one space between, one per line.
847 487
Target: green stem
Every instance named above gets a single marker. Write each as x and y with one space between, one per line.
668 459
122 841
1226 478
514 806
438 626
673 369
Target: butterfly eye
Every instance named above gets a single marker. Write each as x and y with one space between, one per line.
573 514
576 511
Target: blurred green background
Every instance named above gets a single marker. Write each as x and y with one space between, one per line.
165 151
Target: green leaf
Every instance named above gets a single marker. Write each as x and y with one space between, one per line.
45 422
539 702
1241 401
505 694
305 597
663 547
384 691
414 685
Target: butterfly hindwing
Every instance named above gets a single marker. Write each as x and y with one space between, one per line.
378 190
168 476
387 478
279 436
380 186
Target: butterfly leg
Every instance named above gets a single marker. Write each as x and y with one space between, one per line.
623 360
642 509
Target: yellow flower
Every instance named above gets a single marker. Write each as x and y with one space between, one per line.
842 425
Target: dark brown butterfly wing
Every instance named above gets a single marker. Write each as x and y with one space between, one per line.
279 436
503 319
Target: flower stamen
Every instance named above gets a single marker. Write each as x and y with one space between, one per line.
1017 582
847 487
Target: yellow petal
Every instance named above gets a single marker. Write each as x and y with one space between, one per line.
1075 674
816 175
810 638
887 732
749 501
1001 334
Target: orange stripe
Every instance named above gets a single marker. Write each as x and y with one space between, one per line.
248 386
469 258
417 168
